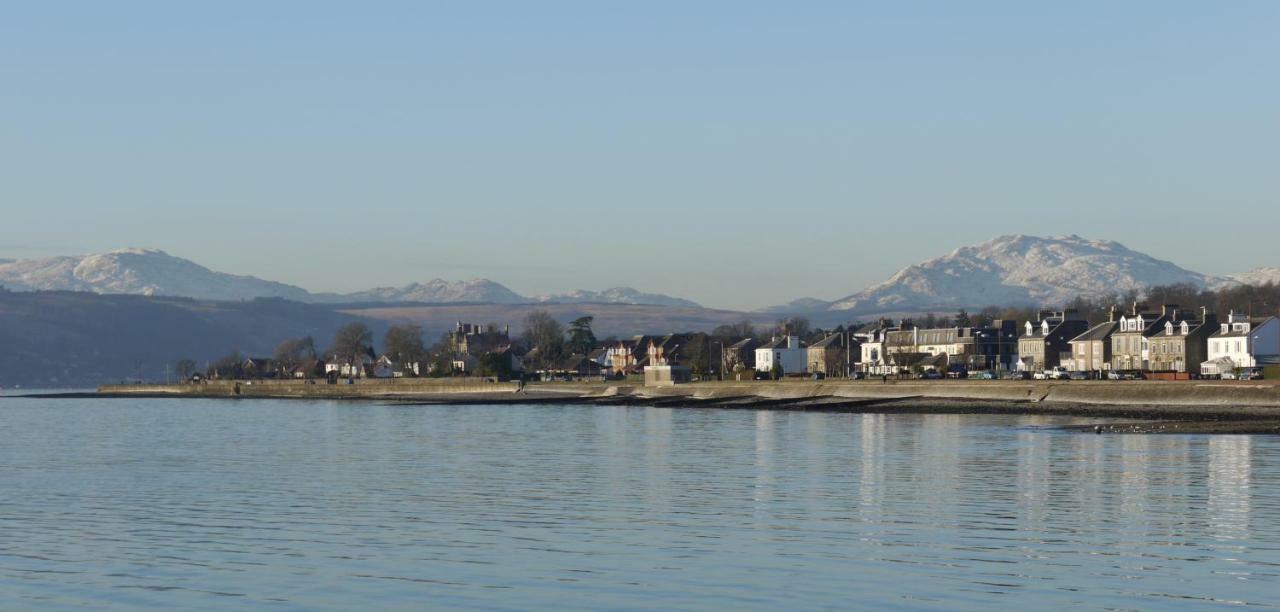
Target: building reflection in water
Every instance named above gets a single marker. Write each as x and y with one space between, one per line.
1033 477
764 482
871 486
1230 475
657 445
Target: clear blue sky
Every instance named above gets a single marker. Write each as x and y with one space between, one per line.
736 153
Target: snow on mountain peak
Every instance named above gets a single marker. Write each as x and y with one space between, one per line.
1018 269
616 295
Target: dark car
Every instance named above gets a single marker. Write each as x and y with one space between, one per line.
1018 376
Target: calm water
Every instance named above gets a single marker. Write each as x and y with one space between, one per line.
289 505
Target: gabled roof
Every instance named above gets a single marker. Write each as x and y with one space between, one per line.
1254 324
1101 331
832 340
745 344
777 343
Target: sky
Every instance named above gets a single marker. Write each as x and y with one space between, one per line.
741 154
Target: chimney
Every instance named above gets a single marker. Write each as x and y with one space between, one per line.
1207 317
1111 314
1170 310
1135 308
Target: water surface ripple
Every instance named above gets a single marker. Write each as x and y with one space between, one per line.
300 505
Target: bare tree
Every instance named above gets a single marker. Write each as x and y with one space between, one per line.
794 326
403 343
185 368
741 329
352 341
291 353
546 335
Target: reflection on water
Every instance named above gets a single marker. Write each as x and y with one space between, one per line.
1230 470
189 504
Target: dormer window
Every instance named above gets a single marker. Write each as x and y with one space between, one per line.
1185 328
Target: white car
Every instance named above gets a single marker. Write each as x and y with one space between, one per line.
1059 373
1040 376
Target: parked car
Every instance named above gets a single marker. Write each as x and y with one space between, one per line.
1249 374
1018 375
931 374
1080 376
1057 373
983 375
818 376
1115 375
1041 375
859 375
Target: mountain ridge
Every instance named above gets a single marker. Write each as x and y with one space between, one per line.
153 272
1018 269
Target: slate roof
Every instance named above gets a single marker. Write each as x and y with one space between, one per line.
1100 331
832 340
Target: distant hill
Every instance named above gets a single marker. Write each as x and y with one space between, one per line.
617 295
1258 276
138 272
80 339
156 273
438 291
1013 271
76 339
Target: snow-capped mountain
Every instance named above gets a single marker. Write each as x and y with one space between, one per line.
139 272
617 295
1018 270
441 291
153 272
804 304
1258 276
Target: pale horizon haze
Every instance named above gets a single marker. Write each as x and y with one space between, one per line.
739 154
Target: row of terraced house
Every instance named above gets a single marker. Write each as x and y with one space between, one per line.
1167 340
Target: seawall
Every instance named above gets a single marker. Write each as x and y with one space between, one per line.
1168 393
381 389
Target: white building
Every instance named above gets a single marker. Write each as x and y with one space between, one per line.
787 351
1243 342
872 344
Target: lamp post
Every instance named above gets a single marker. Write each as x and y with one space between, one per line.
720 369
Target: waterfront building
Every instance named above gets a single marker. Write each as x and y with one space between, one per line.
741 353
628 356
827 356
667 350
1130 343
788 351
1242 342
1046 341
991 347
1091 351
1182 345
873 358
